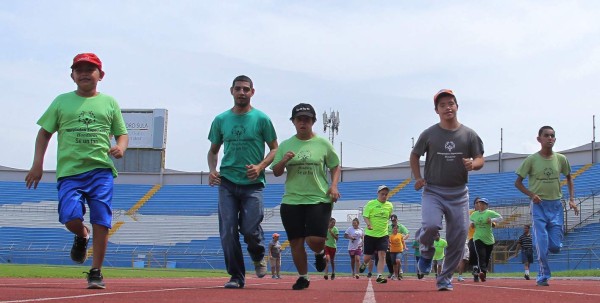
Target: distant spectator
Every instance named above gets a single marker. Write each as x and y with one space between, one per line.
275 256
525 244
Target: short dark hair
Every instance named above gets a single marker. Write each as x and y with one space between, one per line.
543 128
242 78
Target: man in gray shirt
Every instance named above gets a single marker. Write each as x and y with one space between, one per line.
451 149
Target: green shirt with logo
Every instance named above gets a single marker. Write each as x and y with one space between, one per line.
84 126
306 181
243 137
378 213
483 228
544 174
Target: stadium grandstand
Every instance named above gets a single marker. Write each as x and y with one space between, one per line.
169 218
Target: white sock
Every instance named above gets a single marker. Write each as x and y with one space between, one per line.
527 272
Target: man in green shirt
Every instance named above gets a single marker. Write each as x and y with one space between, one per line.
244 131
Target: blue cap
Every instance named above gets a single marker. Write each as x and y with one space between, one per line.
484 200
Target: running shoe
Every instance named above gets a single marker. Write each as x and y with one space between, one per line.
233 284
301 283
79 248
320 262
362 268
543 283
381 279
95 279
445 287
261 268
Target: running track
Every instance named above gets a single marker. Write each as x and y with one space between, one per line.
342 289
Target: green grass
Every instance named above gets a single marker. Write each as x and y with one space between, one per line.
53 271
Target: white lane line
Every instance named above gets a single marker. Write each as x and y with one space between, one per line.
536 290
369 294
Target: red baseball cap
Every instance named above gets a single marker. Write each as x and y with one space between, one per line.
444 91
87 57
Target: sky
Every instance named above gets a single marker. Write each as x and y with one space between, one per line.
513 65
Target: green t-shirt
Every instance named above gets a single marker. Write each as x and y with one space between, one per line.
306 181
84 126
243 137
440 249
416 246
401 229
483 229
544 174
330 241
378 213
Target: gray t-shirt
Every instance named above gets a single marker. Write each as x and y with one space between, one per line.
445 150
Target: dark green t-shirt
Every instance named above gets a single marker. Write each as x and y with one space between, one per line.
243 137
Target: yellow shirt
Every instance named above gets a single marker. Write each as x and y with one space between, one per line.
396 243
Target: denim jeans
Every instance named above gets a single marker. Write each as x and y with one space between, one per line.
240 211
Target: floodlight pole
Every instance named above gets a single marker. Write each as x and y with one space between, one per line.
331 122
593 139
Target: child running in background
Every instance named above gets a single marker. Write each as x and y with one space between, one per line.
483 239
396 249
355 235
331 247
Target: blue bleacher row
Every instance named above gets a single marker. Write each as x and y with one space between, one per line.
26 248
201 200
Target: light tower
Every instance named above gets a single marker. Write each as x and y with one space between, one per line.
333 123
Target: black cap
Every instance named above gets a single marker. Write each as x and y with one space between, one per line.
303 109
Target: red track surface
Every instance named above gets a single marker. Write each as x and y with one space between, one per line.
342 289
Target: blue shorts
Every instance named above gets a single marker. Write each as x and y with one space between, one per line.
94 187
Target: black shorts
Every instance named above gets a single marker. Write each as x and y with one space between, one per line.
373 244
301 221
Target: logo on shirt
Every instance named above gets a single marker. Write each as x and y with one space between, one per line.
303 155
450 146
238 131
87 118
548 172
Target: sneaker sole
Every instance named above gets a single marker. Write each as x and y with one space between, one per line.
96 286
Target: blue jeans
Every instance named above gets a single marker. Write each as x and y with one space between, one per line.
240 211
547 232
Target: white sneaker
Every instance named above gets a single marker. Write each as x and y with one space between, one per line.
460 278
393 277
